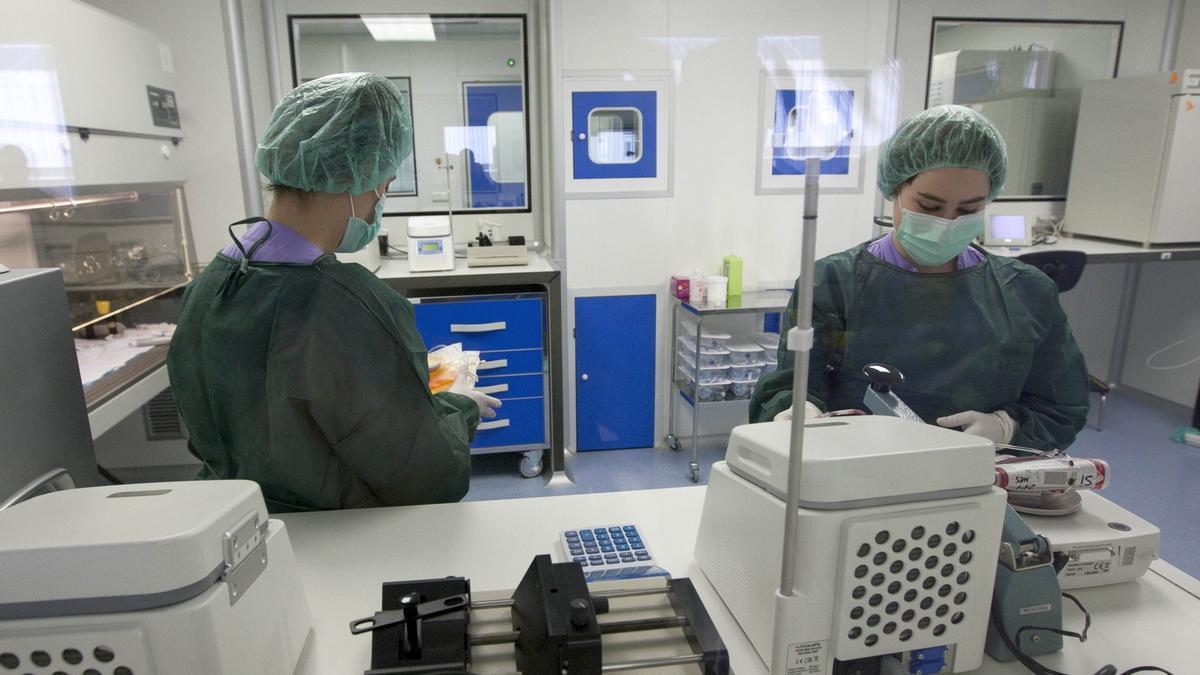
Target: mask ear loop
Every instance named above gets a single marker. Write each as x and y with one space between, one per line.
246 256
232 280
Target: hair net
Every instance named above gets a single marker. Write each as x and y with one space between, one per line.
339 133
944 136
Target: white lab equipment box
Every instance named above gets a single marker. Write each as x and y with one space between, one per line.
1104 543
1038 131
967 76
187 577
96 95
899 528
1137 159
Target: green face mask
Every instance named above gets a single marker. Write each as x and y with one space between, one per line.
931 241
359 232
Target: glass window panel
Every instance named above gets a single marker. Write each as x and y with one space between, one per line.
1026 77
464 80
615 135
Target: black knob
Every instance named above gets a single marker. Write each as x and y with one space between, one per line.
600 604
580 616
883 377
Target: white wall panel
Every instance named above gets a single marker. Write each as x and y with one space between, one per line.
618 243
1167 311
614 35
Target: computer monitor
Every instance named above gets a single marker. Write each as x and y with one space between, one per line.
1007 229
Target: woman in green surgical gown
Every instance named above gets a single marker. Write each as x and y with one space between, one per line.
300 372
982 340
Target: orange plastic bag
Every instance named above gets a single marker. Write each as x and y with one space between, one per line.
448 363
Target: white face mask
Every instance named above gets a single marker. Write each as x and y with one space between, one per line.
359 232
931 241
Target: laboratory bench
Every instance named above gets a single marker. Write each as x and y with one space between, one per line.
513 316
1106 251
345 556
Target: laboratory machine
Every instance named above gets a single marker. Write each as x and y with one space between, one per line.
900 523
430 244
553 623
1137 155
1099 542
1026 614
183 577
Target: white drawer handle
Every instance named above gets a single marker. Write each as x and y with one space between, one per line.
492 365
498 424
478 327
494 389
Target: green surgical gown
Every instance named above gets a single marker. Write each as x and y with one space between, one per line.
990 337
312 380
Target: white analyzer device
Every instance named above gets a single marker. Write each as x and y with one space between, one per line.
1104 543
430 244
187 577
899 528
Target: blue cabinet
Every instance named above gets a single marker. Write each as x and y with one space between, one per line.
509 332
614 371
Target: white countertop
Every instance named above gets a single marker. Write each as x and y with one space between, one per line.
345 556
397 268
1101 249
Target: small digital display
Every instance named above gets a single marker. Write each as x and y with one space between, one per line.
1007 227
429 247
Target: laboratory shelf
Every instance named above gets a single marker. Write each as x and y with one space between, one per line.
756 302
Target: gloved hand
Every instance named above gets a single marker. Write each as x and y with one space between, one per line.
810 411
465 385
998 427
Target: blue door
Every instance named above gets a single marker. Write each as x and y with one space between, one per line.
614 134
483 100
614 371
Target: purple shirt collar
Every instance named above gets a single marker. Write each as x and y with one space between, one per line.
284 246
885 249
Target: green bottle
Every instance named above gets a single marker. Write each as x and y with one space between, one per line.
733 271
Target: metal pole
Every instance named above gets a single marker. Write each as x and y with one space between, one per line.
653 663
615 593
890 50
1171 38
1116 361
274 86
495 638
243 118
636 625
800 342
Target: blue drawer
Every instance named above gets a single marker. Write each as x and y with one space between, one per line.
519 362
483 325
519 422
513 386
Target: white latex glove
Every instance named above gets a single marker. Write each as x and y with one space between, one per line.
465 386
997 427
810 411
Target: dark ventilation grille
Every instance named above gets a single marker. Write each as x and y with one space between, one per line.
162 418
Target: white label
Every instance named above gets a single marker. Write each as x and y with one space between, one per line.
807 658
164 55
1036 609
1191 81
